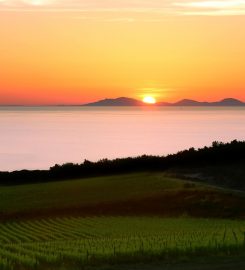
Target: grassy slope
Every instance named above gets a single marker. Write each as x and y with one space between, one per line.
84 192
131 194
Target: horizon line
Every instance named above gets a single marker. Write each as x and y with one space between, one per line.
89 102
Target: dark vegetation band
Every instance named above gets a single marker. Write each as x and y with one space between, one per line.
217 154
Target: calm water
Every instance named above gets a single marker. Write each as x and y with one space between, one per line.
34 138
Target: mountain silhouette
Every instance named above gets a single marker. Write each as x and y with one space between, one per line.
121 101
124 101
189 102
229 102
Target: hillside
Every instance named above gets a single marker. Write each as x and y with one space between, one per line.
139 213
129 194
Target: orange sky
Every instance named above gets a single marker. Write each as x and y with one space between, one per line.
71 52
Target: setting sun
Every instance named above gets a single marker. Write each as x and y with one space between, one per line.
149 100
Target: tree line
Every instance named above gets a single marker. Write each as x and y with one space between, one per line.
217 154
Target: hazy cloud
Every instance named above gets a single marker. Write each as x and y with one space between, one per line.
211 8
174 7
88 4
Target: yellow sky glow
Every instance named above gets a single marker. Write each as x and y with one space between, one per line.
71 52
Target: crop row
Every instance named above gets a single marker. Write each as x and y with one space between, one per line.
80 241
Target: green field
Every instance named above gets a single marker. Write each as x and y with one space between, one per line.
77 242
129 194
116 220
86 191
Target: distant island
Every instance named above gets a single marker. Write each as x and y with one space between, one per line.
124 101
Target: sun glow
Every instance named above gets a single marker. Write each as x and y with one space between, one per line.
149 100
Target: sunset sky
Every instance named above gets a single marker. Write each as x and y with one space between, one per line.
77 51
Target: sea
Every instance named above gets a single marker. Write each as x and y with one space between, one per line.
40 137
